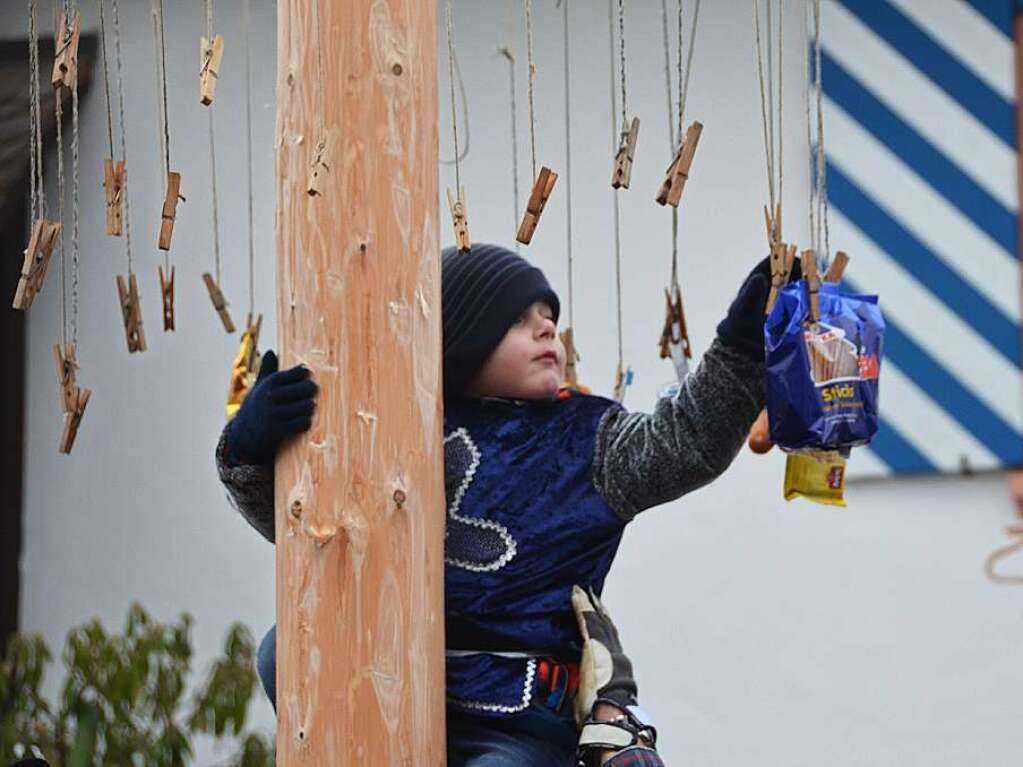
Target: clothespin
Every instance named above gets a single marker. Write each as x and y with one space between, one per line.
678 171
131 313
622 172
113 183
67 364
65 60
211 53
837 268
170 209
779 272
320 166
623 379
571 356
773 225
675 336
167 293
37 258
73 419
458 216
813 284
542 189
219 302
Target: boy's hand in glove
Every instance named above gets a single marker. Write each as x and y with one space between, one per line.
742 328
280 405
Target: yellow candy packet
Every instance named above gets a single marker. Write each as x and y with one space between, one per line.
244 371
818 476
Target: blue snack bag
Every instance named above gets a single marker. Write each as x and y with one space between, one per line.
822 378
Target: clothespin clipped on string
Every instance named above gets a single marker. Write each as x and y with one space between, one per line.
622 172
623 380
461 223
674 342
542 189
837 268
245 368
73 398
211 52
675 179
131 313
170 210
167 295
813 283
65 60
571 357
219 302
37 258
113 183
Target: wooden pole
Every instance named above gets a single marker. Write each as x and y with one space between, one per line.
360 498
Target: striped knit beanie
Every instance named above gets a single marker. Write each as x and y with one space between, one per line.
483 292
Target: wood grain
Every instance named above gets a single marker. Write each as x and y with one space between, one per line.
360 497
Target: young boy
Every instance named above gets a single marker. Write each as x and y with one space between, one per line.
540 484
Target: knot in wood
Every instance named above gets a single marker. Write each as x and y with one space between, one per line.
400 498
397 69
296 509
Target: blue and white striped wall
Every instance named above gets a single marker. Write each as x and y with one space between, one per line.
920 135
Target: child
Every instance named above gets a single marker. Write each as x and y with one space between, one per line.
540 485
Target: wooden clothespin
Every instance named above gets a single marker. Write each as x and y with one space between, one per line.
837 268
219 302
65 60
458 217
622 172
542 189
131 313
113 183
678 171
252 331
37 258
773 222
67 364
571 356
813 283
170 209
320 166
211 53
73 419
167 294
675 334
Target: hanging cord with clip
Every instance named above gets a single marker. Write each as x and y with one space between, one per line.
819 228
208 4
769 115
532 77
451 81
563 4
614 147
160 49
465 112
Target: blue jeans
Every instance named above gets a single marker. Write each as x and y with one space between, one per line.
537 737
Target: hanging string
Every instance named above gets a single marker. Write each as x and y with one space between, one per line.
160 49
119 68
781 104
621 49
568 169
213 159
770 90
822 181
451 82
506 52
74 207
465 113
808 83
58 94
106 74
684 87
532 77
614 194
768 134
246 26
37 191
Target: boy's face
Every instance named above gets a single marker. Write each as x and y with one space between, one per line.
529 363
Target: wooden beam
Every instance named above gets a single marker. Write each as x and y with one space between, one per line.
360 497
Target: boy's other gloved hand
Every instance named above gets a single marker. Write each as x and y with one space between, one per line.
742 328
279 405
605 673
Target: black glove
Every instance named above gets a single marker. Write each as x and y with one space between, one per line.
742 328
279 405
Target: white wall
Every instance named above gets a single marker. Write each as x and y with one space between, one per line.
790 634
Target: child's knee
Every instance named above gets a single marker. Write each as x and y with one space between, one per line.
266 664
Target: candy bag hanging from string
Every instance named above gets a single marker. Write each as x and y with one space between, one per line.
822 377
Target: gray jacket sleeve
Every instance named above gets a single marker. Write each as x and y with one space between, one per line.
646 459
250 489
